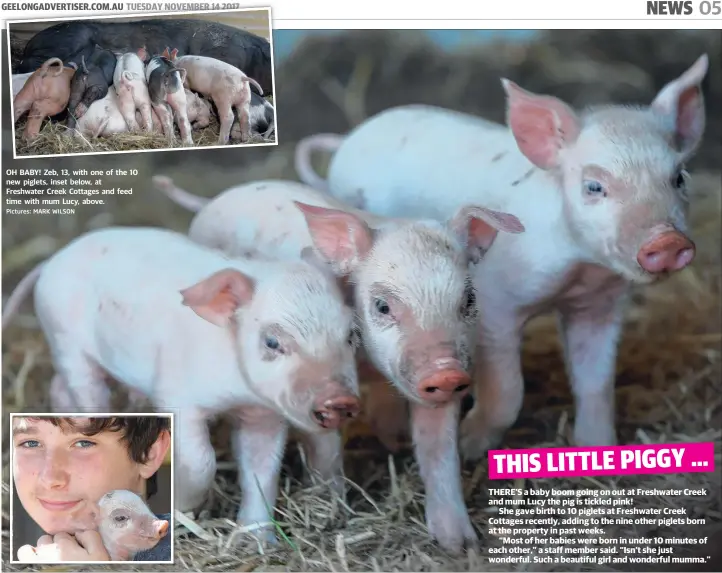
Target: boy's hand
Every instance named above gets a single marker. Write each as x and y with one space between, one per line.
85 546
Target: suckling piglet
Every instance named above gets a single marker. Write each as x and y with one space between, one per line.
226 85
167 96
200 333
262 118
603 196
90 82
131 88
413 296
44 94
104 116
19 80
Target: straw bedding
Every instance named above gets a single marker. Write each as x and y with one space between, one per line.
668 389
54 140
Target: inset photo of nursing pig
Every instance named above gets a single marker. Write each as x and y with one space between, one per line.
142 83
91 488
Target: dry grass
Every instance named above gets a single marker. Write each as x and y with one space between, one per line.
56 139
668 390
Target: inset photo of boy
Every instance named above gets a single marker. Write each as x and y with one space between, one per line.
91 489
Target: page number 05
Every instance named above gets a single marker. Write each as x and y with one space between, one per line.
707 8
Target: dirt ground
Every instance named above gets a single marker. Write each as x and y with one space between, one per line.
668 375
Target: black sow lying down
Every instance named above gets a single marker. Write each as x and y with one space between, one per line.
68 40
90 82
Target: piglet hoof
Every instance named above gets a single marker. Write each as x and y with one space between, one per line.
266 534
451 529
333 412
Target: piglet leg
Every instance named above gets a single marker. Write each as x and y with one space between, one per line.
244 120
258 446
225 115
22 103
325 457
499 386
84 382
126 106
61 398
146 115
590 336
35 121
435 432
195 458
166 120
177 102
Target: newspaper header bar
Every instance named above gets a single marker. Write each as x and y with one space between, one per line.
312 13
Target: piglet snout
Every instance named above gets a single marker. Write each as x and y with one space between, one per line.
668 252
161 528
332 412
444 385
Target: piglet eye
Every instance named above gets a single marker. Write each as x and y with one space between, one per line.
382 306
681 179
469 301
593 187
272 342
353 336
121 518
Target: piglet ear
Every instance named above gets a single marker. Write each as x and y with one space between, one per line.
174 54
682 101
542 125
165 53
312 257
477 227
218 297
341 238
